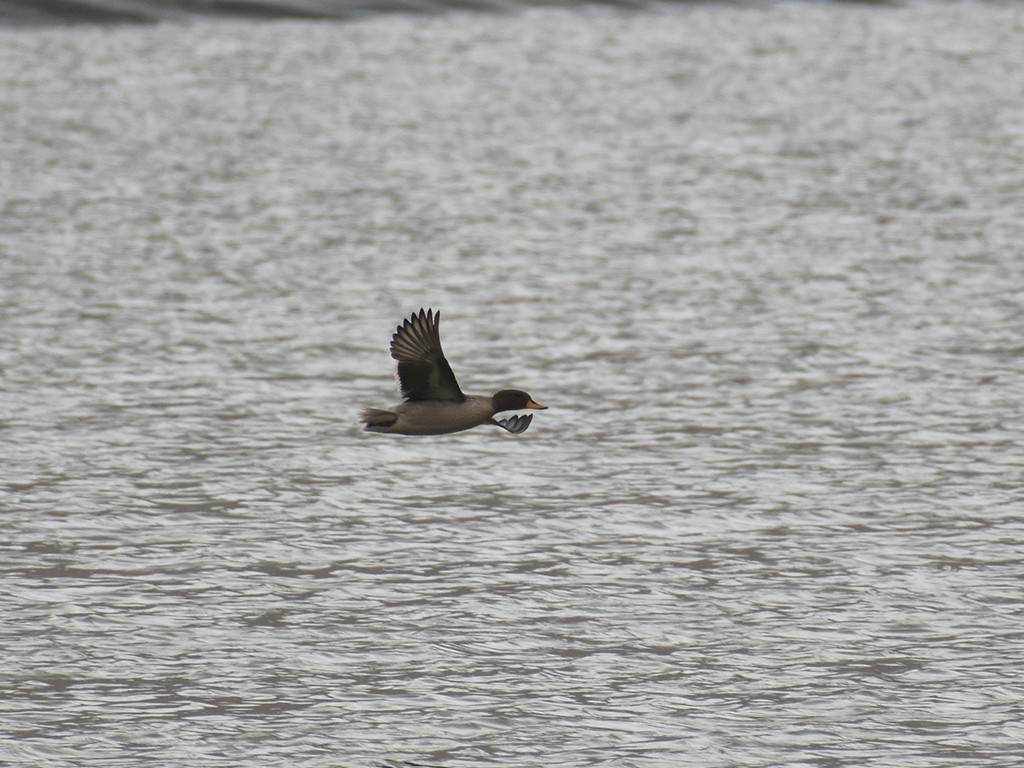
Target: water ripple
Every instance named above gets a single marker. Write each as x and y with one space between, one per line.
763 264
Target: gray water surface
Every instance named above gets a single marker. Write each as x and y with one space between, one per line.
764 264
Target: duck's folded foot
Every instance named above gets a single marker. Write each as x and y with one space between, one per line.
515 424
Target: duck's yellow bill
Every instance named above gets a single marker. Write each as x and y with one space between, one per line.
536 406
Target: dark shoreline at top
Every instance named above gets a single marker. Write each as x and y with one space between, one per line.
41 12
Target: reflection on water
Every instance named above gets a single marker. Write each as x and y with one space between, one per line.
763 264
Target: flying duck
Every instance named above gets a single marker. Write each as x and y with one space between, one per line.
434 404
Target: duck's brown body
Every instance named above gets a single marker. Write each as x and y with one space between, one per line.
437 417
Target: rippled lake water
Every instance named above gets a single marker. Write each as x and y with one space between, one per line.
765 264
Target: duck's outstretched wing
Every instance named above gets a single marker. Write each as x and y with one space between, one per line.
423 373
515 424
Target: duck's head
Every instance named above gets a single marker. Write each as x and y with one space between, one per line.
514 400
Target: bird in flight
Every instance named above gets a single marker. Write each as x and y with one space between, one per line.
434 404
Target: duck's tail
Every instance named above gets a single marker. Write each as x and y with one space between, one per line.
377 420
